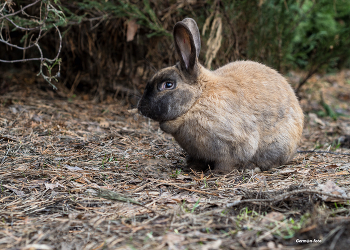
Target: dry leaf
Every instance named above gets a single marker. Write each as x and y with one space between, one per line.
332 166
22 167
72 168
303 171
52 185
104 124
94 185
342 173
91 191
266 236
37 118
131 31
95 129
331 187
272 217
37 247
171 239
212 245
15 190
76 184
287 171
13 110
315 120
344 128
260 178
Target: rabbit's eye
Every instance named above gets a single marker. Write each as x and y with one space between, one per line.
167 85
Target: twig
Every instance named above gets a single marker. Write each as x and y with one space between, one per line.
335 240
42 60
327 237
110 195
191 190
321 152
21 10
311 72
286 195
302 82
27 29
3 159
17 47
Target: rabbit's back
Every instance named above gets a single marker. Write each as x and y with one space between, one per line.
259 91
257 82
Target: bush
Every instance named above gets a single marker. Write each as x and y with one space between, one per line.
284 34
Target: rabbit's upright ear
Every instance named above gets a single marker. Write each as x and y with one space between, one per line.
187 43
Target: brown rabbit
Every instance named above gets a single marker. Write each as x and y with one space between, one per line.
242 115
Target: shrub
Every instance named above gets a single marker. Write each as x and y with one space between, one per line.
284 34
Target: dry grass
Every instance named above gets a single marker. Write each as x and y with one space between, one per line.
59 157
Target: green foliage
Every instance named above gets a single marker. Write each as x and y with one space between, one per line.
35 17
295 34
176 173
287 228
195 205
322 37
140 11
329 111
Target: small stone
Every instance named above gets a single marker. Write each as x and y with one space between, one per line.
271 245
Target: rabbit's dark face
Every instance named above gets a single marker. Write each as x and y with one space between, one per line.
172 91
168 95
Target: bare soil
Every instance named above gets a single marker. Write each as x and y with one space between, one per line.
75 174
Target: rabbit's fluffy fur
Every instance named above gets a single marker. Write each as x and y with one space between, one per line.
242 115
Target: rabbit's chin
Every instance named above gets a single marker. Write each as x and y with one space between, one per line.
170 126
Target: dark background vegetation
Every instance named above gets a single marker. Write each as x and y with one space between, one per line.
306 35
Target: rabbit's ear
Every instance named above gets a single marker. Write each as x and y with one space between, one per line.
187 43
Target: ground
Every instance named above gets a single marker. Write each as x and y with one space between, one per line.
75 174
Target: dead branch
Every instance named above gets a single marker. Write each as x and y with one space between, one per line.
43 61
287 195
187 189
20 11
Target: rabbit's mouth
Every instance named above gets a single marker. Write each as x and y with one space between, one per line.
151 115
148 109
157 111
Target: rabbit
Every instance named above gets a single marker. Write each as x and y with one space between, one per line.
243 115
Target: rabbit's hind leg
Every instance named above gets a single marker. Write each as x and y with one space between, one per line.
197 164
